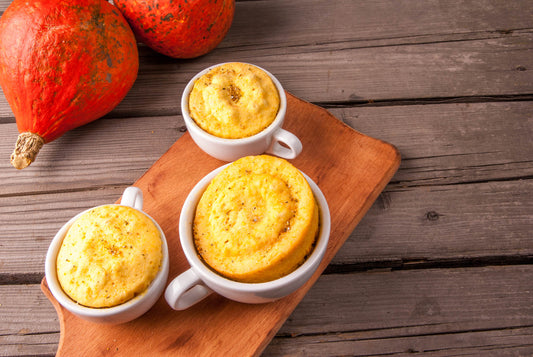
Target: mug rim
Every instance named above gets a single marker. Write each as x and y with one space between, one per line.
213 279
158 283
191 123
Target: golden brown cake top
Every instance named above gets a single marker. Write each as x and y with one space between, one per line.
257 220
234 100
109 255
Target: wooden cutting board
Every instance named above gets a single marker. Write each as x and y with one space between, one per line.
350 168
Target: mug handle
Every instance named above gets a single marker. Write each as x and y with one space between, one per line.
133 197
186 290
292 146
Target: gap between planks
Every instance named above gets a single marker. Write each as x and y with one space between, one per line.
411 264
392 102
351 268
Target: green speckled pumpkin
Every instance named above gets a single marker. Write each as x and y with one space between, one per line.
63 63
179 28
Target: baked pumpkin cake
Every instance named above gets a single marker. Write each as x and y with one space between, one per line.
109 255
257 220
234 100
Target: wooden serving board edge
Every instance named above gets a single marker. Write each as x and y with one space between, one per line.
286 305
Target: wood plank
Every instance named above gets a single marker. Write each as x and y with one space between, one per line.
386 304
30 326
467 311
317 73
492 219
380 22
474 311
395 21
452 143
492 343
439 143
107 152
417 223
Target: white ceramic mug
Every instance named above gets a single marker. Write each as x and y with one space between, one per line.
200 281
272 140
126 311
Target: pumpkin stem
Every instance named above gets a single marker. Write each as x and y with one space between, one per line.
26 149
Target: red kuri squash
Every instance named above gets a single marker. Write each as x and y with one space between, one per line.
63 63
179 28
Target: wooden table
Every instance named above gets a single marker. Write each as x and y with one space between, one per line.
443 261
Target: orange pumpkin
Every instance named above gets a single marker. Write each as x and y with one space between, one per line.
179 28
63 63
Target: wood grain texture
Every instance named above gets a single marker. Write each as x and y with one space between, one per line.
120 151
410 310
492 343
415 312
455 143
422 225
